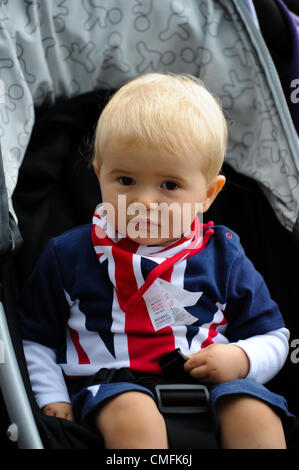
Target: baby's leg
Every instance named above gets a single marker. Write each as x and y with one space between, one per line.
132 420
248 423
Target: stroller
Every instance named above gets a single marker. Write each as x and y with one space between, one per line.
60 61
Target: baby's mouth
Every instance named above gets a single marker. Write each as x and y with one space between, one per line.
145 222
143 227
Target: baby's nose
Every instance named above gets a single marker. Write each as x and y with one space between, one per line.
147 198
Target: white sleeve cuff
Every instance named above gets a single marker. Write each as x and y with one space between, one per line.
45 374
266 353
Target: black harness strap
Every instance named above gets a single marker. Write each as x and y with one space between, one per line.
190 432
185 406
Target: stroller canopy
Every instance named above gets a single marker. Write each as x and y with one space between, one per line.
55 48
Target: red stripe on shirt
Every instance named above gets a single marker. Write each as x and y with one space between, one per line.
82 356
145 345
212 333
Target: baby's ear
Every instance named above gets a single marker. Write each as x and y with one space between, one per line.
213 190
96 168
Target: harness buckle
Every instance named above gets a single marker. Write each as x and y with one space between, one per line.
182 398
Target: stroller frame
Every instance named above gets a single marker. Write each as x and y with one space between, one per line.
23 428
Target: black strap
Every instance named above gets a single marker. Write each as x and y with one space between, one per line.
172 365
103 376
185 408
190 431
192 427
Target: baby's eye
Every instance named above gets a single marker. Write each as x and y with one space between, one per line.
126 180
170 185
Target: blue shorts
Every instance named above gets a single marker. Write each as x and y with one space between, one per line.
87 400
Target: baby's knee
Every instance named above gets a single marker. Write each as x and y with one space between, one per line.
247 422
245 412
131 413
128 405
241 405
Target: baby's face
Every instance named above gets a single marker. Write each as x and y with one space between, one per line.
155 197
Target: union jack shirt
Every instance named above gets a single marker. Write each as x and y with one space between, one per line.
93 301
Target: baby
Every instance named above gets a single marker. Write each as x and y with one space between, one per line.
148 277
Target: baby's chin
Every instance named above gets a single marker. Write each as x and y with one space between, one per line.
144 237
151 241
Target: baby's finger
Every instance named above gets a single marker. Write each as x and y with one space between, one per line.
70 416
64 414
48 412
195 360
199 373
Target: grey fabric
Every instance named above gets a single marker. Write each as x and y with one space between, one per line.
4 216
10 237
50 48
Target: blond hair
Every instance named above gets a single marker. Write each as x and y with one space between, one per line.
174 113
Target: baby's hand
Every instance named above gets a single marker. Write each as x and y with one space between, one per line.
59 409
218 363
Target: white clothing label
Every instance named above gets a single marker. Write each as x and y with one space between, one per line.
165 304
159 311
